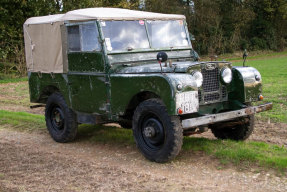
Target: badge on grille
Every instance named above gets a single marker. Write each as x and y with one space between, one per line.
209 66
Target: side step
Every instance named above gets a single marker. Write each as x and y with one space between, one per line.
36 106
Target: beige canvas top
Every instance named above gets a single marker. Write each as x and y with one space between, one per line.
101 14
43 40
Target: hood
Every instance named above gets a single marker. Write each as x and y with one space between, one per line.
178 67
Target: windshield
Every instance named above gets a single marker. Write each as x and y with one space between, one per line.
167 34
129 35
124 35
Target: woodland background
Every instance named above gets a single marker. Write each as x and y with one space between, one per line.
219 26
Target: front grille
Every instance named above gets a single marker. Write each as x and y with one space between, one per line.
223 91
211 97
210 80
211 90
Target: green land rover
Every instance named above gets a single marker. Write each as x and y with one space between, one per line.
102 65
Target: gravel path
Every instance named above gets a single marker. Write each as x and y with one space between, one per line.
34 162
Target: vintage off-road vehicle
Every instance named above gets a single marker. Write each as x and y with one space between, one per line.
139 69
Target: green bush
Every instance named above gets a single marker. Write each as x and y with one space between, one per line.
257 43
244 44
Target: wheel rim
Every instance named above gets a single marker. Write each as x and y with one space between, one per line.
152 133
57 118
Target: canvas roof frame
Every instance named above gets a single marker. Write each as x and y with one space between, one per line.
43 35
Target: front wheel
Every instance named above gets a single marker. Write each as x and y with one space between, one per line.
158 135
239 129
60 119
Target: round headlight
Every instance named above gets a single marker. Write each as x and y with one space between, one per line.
198 78
226 75
257 76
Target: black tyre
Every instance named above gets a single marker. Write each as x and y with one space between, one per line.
60 119
158 135
237 132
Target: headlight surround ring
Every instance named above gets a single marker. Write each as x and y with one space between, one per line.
198 78
226 75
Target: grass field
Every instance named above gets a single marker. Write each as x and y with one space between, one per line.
21 120
239 153
10 78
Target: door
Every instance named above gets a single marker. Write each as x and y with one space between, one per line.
86 74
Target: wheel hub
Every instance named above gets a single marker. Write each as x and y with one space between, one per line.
57 118
149 132
152 132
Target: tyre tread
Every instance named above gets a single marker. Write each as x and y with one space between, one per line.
174 122
242 132
71 125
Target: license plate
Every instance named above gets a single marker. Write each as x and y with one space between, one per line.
187 101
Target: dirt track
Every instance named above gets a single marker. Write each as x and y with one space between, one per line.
34 162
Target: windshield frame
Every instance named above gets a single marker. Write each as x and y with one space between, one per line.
150 49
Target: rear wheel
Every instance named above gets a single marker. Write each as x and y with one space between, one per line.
241 130
60 119
158 135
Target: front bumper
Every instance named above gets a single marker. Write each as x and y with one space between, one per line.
213 118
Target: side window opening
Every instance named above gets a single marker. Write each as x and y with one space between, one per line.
83 37
74 38
89 35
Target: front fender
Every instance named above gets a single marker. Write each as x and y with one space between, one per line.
186 80
125 86
244 86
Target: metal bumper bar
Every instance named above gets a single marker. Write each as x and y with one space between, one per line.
213 118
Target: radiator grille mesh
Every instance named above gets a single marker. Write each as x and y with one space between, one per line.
211 90
210 80
224 92
211 97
